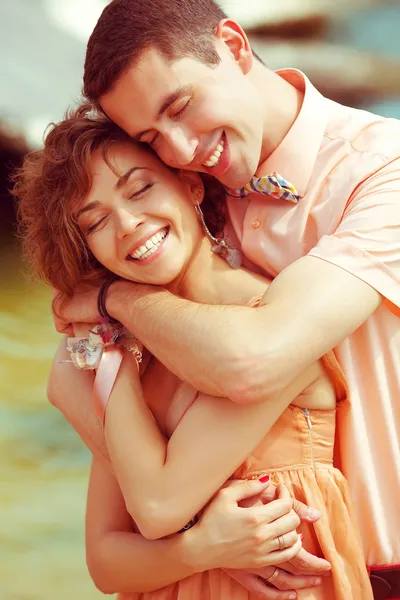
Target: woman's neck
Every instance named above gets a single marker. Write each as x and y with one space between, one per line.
210 280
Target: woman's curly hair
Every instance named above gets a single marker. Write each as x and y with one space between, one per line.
49 189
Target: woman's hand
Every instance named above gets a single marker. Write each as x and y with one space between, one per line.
246 538
237 539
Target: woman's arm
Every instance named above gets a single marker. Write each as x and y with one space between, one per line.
121 561
165 484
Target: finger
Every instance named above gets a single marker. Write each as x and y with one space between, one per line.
258 588
270 512
265 557
286 541
287 581
284 524
308 563
306 513
239 490
269 493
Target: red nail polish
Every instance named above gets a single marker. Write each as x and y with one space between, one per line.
264 479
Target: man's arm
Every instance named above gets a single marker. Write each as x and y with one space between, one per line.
247 353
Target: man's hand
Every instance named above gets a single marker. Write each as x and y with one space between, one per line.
81 308
283 587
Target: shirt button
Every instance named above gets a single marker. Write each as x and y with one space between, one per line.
255 224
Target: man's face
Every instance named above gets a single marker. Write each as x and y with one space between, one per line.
195 116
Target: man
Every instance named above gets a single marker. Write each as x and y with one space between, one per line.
182 78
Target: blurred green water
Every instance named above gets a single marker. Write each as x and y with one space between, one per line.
43 464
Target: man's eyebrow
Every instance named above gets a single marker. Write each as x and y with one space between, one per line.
121 181
170 99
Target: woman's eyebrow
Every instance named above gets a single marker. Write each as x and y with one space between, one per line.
121 181
124 178
86 208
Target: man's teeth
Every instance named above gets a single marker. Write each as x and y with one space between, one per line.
214 158
150 246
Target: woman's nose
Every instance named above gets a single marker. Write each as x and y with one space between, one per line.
127 223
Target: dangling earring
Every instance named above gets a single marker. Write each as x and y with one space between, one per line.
231 255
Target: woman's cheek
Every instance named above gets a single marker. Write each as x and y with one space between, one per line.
101 248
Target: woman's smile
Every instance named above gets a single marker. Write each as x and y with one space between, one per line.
149 249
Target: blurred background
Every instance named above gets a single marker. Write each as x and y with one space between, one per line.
350 51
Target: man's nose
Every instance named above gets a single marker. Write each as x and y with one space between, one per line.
179 147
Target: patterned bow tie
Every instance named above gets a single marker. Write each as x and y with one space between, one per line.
270 185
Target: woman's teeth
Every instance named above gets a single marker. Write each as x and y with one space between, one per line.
214 158
150 246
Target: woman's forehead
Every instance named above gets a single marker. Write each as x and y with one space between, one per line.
123 154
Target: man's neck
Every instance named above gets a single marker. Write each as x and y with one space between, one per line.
282 104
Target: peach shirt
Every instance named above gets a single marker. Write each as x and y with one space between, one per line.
345 164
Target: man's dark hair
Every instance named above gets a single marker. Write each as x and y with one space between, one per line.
177 28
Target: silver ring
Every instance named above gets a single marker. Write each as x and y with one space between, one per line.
281 542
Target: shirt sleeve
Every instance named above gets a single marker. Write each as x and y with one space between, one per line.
367 241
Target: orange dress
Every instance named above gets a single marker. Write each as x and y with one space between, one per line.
298 451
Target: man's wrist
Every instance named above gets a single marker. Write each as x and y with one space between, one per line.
116 297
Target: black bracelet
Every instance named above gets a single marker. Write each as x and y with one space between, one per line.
101 298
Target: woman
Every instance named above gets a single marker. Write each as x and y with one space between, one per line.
94 201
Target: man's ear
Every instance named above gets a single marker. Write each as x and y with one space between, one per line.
194 185
235 40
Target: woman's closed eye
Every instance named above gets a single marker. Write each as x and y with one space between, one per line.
91 228
142 191
95 226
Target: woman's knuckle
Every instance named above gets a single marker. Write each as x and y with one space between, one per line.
251 520
296 519
258 537
291 538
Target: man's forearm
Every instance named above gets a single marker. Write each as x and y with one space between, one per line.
243 353
197 342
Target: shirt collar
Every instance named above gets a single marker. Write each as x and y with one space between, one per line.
295 156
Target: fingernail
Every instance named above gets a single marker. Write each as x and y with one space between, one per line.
264 479
313 513
318 582
292 596
301 537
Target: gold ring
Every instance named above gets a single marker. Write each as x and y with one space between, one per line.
274 575
281 542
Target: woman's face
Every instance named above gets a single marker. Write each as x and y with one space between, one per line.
139 221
